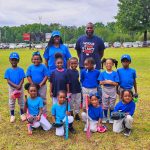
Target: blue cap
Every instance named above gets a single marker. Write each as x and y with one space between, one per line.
14 55
126 56
55 33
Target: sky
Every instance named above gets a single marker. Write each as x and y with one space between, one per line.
65 12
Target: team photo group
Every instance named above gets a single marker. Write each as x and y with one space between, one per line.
83 88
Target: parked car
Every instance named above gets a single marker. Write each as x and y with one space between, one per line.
127 44
106 44
12 46
38 46
135 44
116 44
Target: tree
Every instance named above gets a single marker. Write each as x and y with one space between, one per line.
134 15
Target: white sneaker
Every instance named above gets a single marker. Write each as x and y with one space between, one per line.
111 121
12 119
23 117
104 120
85 128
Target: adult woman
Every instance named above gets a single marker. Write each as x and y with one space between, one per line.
55 46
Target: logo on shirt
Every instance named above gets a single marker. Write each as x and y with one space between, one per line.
88 48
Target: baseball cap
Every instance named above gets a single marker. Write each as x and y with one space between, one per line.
14 55
55 33
126 56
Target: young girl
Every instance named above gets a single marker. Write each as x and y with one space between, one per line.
59 113
95 114
37 73
89 78
109 79
127 106
58 79
15 78
34 106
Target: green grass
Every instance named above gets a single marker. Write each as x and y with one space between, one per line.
14 136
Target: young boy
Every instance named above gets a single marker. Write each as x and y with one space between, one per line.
126 106
15 78
127 75
75 88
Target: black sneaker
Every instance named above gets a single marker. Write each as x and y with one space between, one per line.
127 132
72 130
77 118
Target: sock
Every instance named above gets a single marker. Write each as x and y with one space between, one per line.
12 112
111 112
105 112
21 111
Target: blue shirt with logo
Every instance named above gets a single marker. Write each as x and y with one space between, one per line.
15 75
90 47
37 73
127 77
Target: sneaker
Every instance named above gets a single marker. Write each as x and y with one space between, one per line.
127 132
85 129
12 119
104 120
29 129
23 117
77 118
72 130
111 121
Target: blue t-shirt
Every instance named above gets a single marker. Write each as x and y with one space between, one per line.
89 78
127 108
95 113
37 73
59 80
89 47
50 52
15 75
127 77
34 105
113 76
59 111
74 83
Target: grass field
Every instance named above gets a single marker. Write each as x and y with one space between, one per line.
14 136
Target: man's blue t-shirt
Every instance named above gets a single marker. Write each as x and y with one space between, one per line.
59 111
59 80
127 77
15 75
74 83
90 47
95 113
89 78
34 105
113 76
127 108
37 73
50 52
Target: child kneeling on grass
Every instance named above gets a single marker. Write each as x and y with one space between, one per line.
126 106
59 111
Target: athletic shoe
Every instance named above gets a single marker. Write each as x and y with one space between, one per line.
127 132
77 118
85 129
29 129
23 117
72 130
12 119
104 120
111 121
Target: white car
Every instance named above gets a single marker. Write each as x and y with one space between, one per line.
127 44
38 46
117 44
135 44
12 46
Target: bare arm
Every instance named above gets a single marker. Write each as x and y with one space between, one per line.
53 119
40 113
30 80
109 82
135 86
99 122
43 81
68 88
46 62
51 87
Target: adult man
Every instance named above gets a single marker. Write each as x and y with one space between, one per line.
90 45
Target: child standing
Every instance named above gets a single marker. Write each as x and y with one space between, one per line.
127 106
127 75
75 87
95 113
15 78
109 79
58 79
89 78
34 105
37 73
59 111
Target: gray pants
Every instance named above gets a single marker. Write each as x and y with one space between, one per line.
75 102
20 100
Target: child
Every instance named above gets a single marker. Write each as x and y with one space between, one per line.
58 79
59 113
126 106
37 73
127 75
75 88
89 78
34 105
109 79
15 78
95 113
